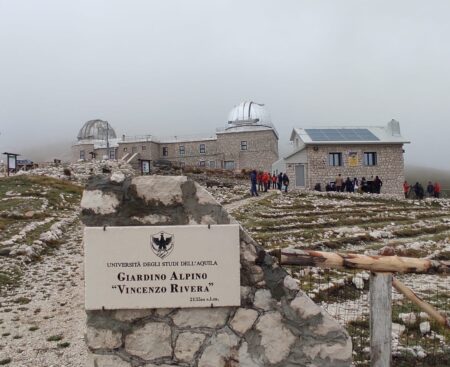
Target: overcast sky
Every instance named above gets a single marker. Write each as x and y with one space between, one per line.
178 67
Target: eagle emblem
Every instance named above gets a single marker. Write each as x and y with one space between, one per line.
162 244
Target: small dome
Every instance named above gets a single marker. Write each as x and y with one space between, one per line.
248 116
96 130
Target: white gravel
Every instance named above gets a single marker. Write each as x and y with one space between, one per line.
55 289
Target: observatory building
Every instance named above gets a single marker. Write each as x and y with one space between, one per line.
248 141
321 153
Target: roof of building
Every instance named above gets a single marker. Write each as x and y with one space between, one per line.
166 140
249 116
24 161
96 130
389 134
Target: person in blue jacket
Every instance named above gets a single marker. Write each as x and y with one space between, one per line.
253 181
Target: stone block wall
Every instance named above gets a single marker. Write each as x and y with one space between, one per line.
77 148
145 149
276 324
389 167
261 153
192 155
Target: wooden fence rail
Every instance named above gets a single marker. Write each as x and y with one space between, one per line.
382 264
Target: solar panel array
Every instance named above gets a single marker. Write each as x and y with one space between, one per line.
341 135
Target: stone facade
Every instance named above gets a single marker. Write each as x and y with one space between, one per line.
389 165
262 148
276 324
256 149
82 150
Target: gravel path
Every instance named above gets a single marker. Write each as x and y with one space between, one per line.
238 203
43 319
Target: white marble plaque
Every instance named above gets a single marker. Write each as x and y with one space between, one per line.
164 266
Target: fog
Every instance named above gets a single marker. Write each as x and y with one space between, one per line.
178 67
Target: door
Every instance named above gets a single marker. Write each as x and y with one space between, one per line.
300 175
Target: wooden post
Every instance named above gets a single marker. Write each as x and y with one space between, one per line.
380 319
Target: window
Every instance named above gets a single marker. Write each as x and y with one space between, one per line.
125 149
228 164
370 158
82 154
165 151
244 145
202 148
133 149
144 147
335 159
181 148
112 154
212 164
202 164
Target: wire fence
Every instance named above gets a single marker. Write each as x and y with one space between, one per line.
416 339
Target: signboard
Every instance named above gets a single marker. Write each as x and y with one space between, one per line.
145 167
164 266
352 159
12 162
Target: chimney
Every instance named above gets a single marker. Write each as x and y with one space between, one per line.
393 127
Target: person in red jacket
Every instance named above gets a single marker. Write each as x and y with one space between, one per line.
260 181
406 188
265 179
437 189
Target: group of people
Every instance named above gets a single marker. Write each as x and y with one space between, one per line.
372 186
263 181
433 190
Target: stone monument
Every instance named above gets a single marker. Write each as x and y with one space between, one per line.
275 325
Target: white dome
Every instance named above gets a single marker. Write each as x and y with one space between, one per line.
96 130
248 116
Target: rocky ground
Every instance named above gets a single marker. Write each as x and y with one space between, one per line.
362 224
41 285
42 318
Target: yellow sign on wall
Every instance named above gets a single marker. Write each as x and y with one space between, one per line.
352 159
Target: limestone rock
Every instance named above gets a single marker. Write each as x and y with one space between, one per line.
290 283
248 252
201 317
304 306
243 320
246 295
335 351
152 219
203 196
150 341
327 324
163 189
221 351
408 318
107 361
246 360
275 337
257 274
103 338
263 299
187 345
425 327
131 315
99 202
117 177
